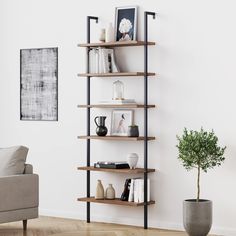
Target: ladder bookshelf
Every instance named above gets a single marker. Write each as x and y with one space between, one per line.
145 106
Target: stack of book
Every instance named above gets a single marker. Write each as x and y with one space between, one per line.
134 190
120 101
102 60
111 165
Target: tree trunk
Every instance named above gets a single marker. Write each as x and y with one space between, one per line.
198 183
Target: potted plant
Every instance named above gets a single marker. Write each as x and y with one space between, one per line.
199 150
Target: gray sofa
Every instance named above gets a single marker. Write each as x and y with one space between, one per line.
19 196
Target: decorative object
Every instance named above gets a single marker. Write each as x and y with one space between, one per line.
120 121
101 129
200 150
102 36
126 23
132 159
39 84
110 192
118 90
109 33
99 190
133 131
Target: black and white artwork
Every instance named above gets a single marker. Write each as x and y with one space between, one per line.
120 121
126 23
39 84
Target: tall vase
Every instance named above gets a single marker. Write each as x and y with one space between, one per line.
99 190
109 33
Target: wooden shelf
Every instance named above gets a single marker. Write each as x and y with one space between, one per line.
116 44
116 106
125 171
115 74
114 202
118 138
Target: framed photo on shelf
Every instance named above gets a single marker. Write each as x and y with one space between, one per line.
126 23
120 120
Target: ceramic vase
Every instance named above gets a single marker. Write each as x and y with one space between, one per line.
109 33
132 159
133 131
99 190
197 217
110 192
102 36
101 129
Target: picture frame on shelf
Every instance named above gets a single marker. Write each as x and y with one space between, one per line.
126 23
120 121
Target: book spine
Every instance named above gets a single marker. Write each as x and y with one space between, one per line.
131 191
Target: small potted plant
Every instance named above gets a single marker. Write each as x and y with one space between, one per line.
199 150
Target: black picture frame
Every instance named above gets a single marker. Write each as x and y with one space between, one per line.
126 23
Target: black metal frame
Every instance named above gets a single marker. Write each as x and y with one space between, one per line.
89 18
146 14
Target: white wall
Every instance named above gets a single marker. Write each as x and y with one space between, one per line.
195 61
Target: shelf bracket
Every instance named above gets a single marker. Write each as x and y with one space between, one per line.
146 14
89 19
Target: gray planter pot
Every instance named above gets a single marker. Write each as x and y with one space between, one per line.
197 217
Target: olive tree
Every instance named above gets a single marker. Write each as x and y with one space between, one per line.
200 150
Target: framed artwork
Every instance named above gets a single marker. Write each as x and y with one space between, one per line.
39 84
126 23
120 120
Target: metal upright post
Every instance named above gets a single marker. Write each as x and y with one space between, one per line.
146 114
89 18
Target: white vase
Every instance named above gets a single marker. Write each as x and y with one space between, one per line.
99 191
110 192
109 33
132 159
102 36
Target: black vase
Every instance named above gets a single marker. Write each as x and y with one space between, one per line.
133 131
101 129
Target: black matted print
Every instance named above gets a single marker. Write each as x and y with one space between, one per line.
39 84
126 23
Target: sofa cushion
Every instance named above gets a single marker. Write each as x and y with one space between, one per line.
12 160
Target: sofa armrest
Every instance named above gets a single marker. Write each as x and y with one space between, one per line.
19 192
28 169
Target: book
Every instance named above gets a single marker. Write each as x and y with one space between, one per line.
111 165
122 101
131 192
106 61
139 190
125 193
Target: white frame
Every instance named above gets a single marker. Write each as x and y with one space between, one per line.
130 122
135 20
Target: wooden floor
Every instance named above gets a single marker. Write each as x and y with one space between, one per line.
50 226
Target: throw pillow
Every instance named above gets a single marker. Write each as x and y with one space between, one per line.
12 160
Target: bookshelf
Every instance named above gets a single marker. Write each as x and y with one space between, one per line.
145 106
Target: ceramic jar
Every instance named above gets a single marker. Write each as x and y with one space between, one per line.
99 190
132 159
133 131
110 192
102 36
109 33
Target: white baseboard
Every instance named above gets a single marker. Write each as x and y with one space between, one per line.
221 231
